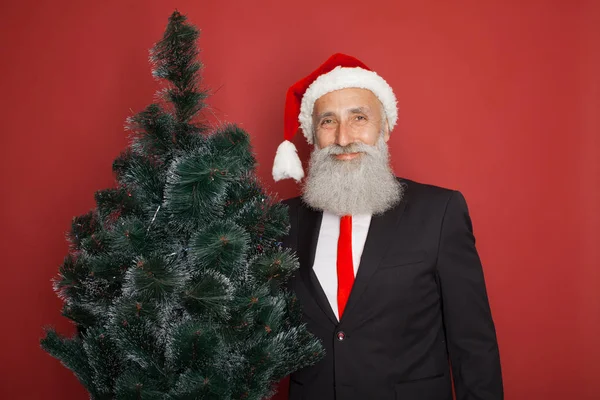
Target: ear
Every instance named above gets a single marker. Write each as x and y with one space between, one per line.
386 132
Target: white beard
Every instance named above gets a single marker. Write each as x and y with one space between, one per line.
364 185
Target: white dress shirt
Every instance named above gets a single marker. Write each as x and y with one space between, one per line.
325 265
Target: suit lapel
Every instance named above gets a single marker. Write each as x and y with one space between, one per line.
381 231
309 224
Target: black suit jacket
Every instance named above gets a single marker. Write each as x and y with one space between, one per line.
418 303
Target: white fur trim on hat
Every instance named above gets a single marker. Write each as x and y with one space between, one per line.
287 164
342 78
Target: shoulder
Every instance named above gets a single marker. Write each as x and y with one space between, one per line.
419 191
293 204
293 201
428 197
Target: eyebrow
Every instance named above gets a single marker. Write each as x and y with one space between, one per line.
359 110
355 110
325 114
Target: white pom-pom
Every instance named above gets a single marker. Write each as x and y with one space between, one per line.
287 164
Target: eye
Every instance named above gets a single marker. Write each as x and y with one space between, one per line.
360 118
326 121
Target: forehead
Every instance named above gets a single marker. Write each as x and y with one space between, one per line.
346 98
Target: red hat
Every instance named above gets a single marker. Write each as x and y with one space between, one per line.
338 72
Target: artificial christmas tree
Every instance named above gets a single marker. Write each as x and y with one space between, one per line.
176 280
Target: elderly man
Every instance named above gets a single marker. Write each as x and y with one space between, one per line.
390 279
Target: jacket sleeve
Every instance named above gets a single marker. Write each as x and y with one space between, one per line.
470 333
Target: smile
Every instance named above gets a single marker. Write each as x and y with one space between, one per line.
346 156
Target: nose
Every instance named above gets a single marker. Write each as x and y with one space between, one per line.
343 135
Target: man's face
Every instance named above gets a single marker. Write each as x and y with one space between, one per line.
349 171
348 116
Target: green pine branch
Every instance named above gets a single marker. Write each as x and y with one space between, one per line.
176 280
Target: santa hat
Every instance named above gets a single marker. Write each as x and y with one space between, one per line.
338 72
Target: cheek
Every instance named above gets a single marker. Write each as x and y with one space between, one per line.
325 137
370 134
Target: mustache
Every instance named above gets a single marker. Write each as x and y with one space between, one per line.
335 149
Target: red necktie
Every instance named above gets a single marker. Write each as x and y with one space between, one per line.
345 267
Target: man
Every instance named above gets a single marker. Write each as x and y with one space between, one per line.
390 279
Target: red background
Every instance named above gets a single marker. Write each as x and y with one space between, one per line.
499 99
